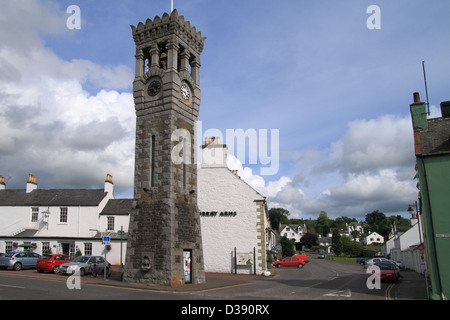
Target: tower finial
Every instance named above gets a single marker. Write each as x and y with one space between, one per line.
171 6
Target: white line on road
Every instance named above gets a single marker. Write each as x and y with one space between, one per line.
341 293
7 286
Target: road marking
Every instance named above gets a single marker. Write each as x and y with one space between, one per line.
388 292
7 286
341 293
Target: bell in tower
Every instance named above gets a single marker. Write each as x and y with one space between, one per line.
164 243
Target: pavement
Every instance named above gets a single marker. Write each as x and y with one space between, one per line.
213 281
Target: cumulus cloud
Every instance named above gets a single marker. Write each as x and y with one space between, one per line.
370 168
51 126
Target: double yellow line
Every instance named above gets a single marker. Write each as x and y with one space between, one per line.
387 293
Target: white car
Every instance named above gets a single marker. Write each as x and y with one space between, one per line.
85 265
370 262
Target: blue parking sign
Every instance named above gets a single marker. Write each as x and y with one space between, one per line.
106 240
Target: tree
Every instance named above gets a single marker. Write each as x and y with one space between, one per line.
341 222
351 248
399 221
309 239
378 223
278 216
323 224
336 242
287 246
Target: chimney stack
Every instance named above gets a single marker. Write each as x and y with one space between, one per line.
214 154
109 185
31 183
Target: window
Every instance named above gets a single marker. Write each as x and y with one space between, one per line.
8 246
45 247
111 223
34 214
63 215
88 249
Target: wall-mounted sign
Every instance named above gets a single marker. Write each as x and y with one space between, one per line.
244 259
218 213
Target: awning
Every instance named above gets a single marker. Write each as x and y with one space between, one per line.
26 245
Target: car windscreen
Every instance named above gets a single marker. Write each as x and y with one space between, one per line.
385 266
81 259
45 257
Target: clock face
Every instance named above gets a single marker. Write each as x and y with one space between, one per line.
185 93
154 88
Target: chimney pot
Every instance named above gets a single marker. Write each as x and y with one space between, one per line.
31 183
417 97
109 178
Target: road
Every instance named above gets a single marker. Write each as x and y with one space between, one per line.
318 280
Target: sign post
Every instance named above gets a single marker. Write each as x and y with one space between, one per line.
106 241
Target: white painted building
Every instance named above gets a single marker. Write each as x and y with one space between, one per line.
62 220
373 238
234 217
293 232
407 247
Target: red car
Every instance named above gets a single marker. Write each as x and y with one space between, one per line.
388 271
51 262
293 261
302 257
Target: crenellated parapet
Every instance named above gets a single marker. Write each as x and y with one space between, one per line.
163 29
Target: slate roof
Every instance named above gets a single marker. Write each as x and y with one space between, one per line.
51 198
436 139
118 207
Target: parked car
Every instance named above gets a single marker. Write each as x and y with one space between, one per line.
19 260
360 260
293 261
321 255
51 262
370 262
388 271
85 265
302 257
399 264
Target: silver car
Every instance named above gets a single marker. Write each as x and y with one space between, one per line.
19 260
85 265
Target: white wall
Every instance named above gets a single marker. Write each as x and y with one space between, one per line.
220 190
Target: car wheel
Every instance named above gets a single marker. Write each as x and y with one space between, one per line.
17 266
299 266
81 272
279 265
55 269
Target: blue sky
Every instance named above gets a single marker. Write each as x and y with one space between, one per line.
337 92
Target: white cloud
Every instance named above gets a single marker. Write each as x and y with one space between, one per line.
51 126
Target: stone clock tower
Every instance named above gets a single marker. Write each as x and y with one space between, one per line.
164 242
